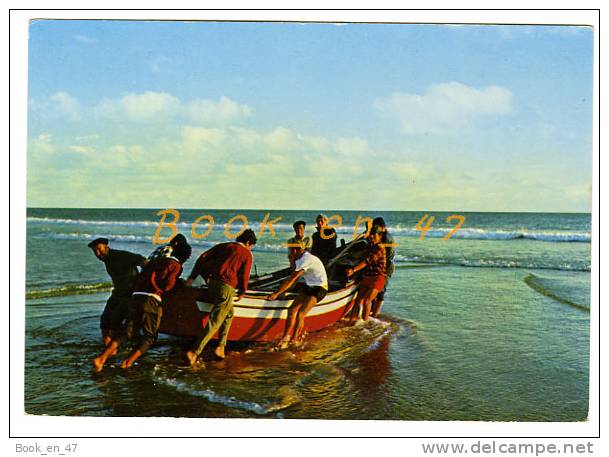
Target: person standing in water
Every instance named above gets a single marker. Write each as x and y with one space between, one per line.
226 269
122 267
388 243
373 280
145 311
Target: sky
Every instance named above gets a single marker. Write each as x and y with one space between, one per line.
309 116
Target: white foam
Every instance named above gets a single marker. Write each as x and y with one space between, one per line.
214 397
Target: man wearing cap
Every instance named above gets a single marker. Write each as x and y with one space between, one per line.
324 247
312 270
122 268
299 231
145 306
388 242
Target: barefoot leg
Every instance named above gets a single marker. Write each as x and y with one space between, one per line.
99 362
219 352
132 358
306 307
192 357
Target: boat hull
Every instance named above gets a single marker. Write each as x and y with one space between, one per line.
185 313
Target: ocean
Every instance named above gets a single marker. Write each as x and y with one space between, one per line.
491 324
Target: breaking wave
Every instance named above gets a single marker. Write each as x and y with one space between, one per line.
69 289
348 230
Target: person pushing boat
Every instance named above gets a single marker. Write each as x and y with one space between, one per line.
144 317
388 243
122 267
374 275
226 268
312 270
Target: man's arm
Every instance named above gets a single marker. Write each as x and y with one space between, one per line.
174 273
196 270
244 277
286 285
356 268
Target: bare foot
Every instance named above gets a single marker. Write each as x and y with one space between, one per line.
283 344
98 364
126 364
192 357
220 352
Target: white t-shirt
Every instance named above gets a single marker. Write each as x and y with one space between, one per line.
314 270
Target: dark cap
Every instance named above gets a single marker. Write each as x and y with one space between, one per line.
297 223
97 241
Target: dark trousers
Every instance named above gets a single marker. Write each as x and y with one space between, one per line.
142 322
115 312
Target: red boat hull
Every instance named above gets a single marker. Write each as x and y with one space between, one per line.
255 319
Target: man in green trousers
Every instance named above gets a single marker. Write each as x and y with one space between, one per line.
226 269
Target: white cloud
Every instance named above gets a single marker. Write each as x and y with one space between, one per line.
447 108
59 105
66 104
224 110
81 149
349 147
43 144
85 39
144 107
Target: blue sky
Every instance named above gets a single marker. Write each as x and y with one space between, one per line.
297 116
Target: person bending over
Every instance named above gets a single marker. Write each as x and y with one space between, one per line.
226 268
122 268
145 310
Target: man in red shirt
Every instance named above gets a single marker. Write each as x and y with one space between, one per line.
145 311
225 268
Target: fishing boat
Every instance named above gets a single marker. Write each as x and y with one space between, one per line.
185 309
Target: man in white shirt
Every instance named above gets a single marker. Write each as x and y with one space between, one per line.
312 270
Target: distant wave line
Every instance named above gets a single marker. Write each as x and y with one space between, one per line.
397 230
422 261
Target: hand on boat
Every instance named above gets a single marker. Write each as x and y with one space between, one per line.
239 297
271 297
349 272
189 282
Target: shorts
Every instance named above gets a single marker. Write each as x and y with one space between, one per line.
115 312
315 291
374 282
